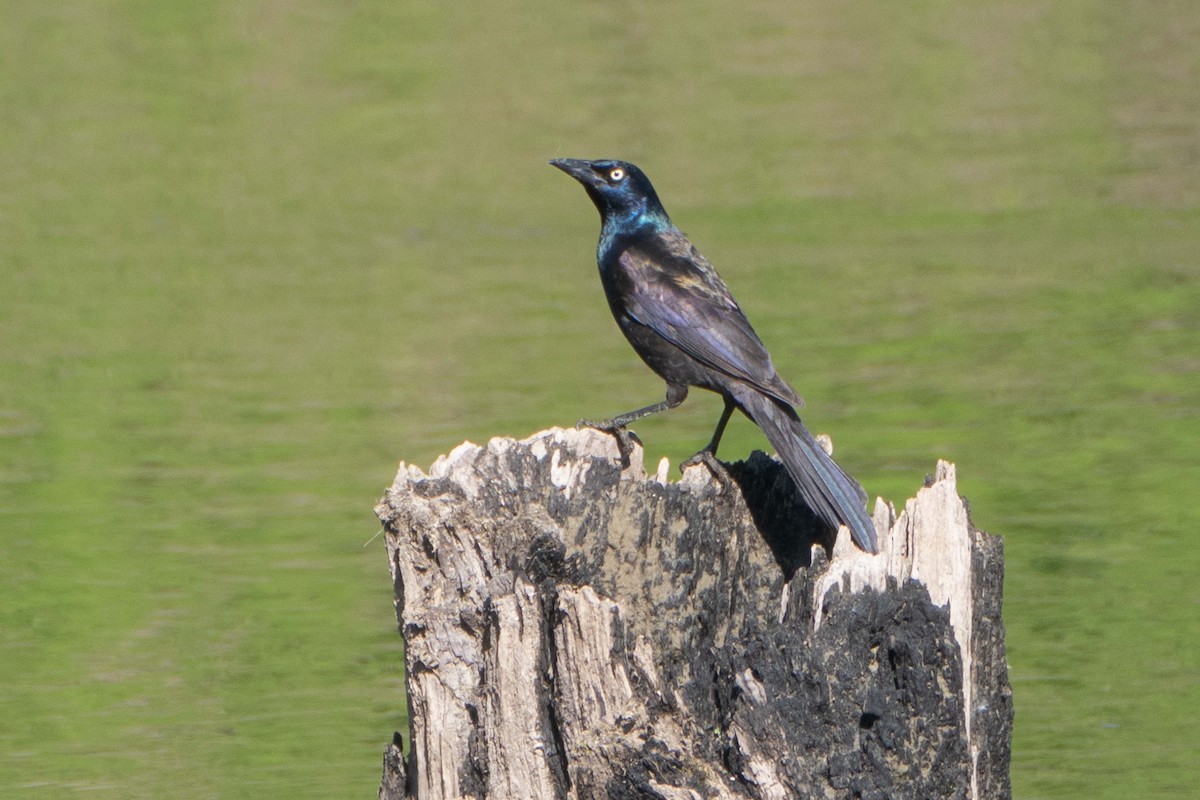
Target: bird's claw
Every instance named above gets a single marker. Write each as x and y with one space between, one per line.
709 460
625 437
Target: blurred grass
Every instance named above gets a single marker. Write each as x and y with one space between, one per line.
253 253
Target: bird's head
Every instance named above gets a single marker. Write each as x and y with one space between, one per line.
621 191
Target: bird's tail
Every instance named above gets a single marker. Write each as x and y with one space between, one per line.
832 494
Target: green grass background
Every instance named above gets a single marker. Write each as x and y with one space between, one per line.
253 253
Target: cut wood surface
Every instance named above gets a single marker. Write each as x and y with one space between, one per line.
573 629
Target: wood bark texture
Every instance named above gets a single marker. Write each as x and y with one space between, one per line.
575 629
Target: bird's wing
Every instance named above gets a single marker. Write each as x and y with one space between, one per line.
673 290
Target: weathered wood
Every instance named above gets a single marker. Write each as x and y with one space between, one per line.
577 630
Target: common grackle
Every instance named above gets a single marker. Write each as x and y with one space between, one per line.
681 319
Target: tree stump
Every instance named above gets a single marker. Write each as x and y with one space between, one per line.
575 629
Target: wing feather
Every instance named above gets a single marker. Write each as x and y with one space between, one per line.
672 289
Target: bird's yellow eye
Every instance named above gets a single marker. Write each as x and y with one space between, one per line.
615 174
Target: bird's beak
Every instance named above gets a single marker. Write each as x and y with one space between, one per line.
579 169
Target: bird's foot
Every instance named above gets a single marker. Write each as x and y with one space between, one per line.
625 437
708 459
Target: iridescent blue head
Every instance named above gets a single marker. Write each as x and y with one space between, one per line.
622 193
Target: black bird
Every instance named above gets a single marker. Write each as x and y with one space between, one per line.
681 319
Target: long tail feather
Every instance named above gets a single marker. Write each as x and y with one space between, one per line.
831 493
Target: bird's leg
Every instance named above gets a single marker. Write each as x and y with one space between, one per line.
623 420
730 407
708 455
676 394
